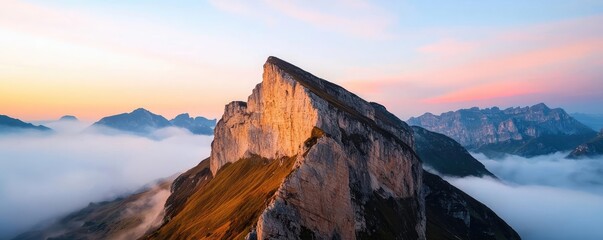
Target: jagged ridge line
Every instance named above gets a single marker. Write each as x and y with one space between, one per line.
293 71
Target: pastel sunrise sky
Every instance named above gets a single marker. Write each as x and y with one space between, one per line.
102 57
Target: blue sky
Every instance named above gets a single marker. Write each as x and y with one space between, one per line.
95 58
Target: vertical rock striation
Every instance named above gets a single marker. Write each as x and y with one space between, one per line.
355 175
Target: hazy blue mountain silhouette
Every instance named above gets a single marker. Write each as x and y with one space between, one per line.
8 124
68 118
142 121
138 121
197 125
594 121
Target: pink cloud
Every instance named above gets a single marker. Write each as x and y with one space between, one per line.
487 91
543 61
145 38
509 66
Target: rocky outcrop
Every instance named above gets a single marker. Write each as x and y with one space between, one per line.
446 156
348 152
452 214
591 148
527 131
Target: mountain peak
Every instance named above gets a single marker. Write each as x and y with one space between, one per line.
141 110
297 74
372 114
12 124
277 61
347 144
309 144
197 125
183 116
139 121
540 106
68 118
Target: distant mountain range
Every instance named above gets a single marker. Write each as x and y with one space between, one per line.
139 121
527 131
142 121
8 124
197 125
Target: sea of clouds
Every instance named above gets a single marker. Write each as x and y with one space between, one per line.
46 175
544 197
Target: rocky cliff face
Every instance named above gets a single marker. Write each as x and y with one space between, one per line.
527 131
349 154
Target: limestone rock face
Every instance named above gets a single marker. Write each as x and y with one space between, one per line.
354 164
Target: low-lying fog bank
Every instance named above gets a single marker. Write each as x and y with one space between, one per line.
545 197
46 175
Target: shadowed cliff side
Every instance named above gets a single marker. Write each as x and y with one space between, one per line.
446 156
452 214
